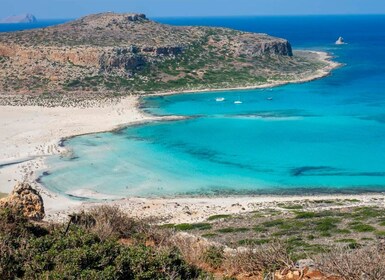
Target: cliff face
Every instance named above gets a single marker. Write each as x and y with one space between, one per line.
124 45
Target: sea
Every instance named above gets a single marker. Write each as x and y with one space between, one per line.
325 136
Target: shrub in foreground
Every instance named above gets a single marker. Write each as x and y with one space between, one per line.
30 251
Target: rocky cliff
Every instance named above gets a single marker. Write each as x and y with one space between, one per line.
130 53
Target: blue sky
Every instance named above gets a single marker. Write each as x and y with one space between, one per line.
164 8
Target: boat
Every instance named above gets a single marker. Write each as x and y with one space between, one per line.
220 99
238 102
269 98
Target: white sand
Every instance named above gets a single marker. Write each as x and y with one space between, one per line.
30 133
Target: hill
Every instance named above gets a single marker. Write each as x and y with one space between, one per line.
127 53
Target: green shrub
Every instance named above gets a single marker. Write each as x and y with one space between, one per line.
31 251
209 235
251 242
214 256
217 217
199 226
305 215
359 227
232 230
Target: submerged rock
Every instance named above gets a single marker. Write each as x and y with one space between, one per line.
25 199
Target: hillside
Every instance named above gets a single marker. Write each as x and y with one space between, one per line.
127 53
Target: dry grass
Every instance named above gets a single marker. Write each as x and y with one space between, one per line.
366 263
262 259
259 260
191 247
106 222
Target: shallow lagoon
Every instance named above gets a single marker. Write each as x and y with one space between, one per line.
324 136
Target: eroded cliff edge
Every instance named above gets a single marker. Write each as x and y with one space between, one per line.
127 53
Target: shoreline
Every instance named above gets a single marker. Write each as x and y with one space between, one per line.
35 133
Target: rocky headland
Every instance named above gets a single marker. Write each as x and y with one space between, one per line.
127 53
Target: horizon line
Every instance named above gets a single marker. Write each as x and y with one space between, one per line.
220 16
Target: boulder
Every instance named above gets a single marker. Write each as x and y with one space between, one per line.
26 199
303 263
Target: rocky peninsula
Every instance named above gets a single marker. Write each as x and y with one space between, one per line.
115 54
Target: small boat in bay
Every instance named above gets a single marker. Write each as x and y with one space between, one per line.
220 99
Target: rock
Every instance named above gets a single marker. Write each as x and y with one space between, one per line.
136 17
27 200
301 264
26 18
301 274
340 41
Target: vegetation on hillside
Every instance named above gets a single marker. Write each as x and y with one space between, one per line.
92 248
105 243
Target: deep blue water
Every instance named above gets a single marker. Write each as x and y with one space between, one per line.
9 27
323 136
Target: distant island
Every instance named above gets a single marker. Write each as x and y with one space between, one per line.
117 54
24 18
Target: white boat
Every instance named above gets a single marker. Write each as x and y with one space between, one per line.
270 98
238 102
220 99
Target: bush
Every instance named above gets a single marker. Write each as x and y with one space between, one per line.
366 263
30 251
213 256
260 259
199 226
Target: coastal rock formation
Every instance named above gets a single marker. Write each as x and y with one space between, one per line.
25 199
26 18
120 53
340 41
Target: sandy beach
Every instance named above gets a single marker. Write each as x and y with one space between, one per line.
29 134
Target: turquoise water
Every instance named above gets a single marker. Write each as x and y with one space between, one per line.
324 136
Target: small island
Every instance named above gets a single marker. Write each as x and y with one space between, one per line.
24 18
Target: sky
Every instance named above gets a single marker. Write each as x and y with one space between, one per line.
63 9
